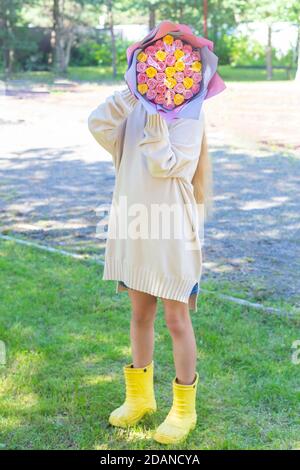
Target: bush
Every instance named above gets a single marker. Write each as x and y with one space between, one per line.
244 51
91 52
32 49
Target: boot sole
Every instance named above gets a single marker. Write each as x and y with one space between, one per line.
149 411
167 440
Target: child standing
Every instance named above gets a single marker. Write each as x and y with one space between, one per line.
158 164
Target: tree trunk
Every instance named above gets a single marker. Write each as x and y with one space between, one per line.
152 21
8 51
112 36
181 13
59 40
67 52
269 54
297 78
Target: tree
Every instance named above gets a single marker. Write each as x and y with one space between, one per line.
68 17
291 12
10 17
261 10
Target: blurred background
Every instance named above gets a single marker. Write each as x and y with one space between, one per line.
87 39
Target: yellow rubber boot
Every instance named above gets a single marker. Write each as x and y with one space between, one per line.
139 399
182 417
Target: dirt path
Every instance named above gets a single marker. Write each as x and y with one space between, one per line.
53 176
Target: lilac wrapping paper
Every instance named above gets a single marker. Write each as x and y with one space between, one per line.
211 83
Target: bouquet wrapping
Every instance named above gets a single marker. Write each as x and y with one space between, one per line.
172 71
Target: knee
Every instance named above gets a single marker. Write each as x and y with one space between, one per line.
176 323
143 318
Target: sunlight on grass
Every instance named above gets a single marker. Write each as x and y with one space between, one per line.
67 338
103 74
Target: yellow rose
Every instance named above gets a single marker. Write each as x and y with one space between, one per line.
142 57
196 66
179 66
170 71
188 82
178 53
151 72
170 82
160 55
178 99
168 39
142 88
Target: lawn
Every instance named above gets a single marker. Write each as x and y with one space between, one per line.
67 338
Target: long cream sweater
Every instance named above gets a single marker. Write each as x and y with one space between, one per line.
154 162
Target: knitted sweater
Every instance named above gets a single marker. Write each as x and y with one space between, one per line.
154 163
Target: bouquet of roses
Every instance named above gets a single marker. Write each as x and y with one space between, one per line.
172 71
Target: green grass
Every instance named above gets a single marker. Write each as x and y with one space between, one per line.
67 338
238 74
104 74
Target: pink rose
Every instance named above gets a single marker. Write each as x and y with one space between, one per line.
151 94
187 48
188 72
179 76
150 50
195 88
160 44
197 77
141 66
161 88
178 44
161 66
160 76
188 94
187 59
152 83
179 88
196 55
159 99
142 78
170 60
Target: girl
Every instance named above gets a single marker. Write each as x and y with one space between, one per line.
157 164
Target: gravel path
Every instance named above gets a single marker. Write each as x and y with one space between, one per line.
53 176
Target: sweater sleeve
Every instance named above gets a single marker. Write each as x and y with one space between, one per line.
172 151
106 122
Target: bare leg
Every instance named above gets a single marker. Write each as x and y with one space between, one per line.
142 327
184 343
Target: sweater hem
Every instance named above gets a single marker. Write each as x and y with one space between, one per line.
193 299
143 279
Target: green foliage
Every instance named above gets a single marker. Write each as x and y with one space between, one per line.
244 51
91 52
32 49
